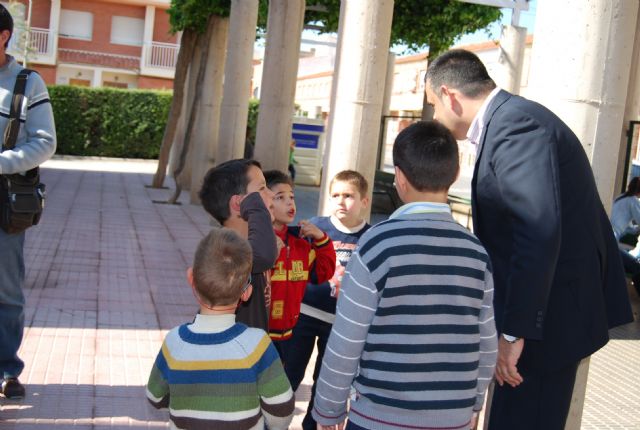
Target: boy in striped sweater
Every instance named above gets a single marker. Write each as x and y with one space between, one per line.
414 330
214 372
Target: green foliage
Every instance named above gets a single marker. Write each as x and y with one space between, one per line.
252 119
109 122
416 23
193 14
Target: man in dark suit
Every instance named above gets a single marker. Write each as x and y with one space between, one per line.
559 281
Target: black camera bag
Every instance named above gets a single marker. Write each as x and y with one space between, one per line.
21 196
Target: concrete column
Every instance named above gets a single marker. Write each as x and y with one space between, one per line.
594 57
204 140
358 90
54 27
278 87
237 86
97 78
512 44
147 37
632 109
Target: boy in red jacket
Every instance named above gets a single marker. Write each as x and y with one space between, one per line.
307 255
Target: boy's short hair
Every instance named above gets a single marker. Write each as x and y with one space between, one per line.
221 183
6 22
427 154
275 177
354 178
222 266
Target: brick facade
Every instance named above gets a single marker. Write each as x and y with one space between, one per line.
100 56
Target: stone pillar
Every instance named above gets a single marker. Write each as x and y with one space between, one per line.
632 109
358 89
594 54
512 44
237 86
147 37
589 95
96 82
204 138
54 28
278 87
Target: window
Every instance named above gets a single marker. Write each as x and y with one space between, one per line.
127 31
76 25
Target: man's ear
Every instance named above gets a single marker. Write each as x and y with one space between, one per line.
448 96
234 203
246 294
400 181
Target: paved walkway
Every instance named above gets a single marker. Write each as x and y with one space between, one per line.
106 279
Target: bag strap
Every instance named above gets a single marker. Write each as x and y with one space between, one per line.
13 125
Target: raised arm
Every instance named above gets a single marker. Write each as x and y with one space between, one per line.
261 236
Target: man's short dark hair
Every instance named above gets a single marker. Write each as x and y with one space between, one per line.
275 177
461 70
221 183
6 23
427 154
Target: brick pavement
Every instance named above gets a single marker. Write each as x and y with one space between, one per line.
106 279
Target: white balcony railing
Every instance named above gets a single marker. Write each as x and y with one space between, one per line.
161 55
39 41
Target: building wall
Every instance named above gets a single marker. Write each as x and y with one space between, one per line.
48 73
151 83
101 37
40 10
162 28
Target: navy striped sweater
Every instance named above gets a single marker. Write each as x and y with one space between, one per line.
414 329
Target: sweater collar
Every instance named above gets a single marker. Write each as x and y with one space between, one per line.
419 208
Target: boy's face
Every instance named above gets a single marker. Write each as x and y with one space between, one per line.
284 204
258 183
347 203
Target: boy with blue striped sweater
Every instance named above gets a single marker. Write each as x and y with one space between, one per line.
214 372
414 331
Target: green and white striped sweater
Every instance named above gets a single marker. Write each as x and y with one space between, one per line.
229 378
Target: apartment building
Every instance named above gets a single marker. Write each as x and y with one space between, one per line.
95 43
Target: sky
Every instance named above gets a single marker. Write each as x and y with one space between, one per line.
527 19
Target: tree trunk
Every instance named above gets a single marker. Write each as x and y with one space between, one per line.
185 54
203 46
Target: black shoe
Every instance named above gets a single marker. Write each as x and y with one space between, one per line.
13 389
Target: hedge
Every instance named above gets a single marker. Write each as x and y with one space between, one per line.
111 122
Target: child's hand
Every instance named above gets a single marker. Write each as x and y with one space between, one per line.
309 230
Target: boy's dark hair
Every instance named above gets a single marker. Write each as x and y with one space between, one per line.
222 266
427 154
275 177
461 70
6 23
354 178
221 183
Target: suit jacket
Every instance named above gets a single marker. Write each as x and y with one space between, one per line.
559 280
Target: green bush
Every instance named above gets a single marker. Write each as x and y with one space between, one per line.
109 122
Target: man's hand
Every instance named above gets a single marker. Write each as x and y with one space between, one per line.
508 356
339 426
309 230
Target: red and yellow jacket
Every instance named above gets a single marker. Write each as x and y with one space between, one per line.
298 263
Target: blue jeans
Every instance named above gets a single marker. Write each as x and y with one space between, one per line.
11 302
299 350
